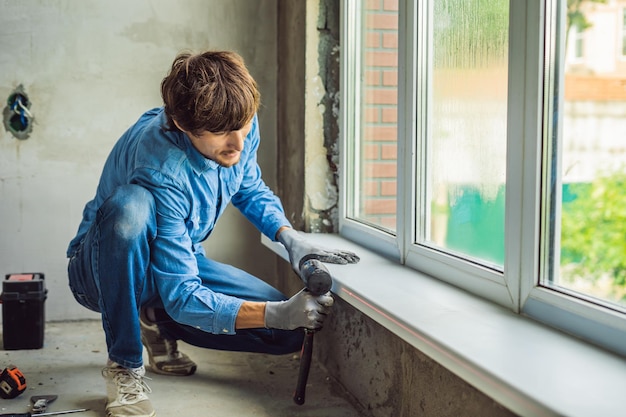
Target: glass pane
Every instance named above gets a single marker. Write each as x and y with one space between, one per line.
588 246
467 129
375 188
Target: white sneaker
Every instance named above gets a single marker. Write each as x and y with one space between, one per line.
126 392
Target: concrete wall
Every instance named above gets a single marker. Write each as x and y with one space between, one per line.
90 68
386 376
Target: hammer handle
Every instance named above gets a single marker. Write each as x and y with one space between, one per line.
305 366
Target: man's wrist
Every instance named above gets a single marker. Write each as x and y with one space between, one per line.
279 231
251 315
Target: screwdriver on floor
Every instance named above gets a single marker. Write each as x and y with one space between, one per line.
51 413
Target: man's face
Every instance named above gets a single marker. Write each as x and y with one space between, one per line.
222 147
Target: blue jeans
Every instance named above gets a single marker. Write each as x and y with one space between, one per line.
109 270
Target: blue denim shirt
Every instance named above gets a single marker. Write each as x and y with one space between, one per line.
191 192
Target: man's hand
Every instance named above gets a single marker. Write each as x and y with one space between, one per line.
298 248
301 310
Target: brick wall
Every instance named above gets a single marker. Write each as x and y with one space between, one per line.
595 88
379 112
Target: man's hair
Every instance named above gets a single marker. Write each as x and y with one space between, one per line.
210 91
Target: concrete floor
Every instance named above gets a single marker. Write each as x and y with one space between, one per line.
225 384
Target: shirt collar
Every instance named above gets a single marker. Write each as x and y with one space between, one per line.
199 163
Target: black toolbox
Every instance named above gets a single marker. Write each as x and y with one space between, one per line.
23 316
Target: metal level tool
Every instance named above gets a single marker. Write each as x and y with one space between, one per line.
51 413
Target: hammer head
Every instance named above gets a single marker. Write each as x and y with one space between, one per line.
315 276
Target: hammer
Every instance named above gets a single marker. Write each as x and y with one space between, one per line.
317 281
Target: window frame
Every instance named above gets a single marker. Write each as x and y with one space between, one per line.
354 230
517 287
623 35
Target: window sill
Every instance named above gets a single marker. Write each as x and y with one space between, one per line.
527 367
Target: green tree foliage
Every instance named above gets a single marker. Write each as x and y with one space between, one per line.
471 32
593 236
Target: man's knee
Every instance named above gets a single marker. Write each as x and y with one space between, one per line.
133 210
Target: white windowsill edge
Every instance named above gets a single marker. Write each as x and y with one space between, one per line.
523 365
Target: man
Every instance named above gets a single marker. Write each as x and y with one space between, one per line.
137 257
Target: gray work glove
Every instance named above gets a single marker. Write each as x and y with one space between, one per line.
301 310
298 248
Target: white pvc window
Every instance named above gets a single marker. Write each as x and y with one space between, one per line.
474 152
